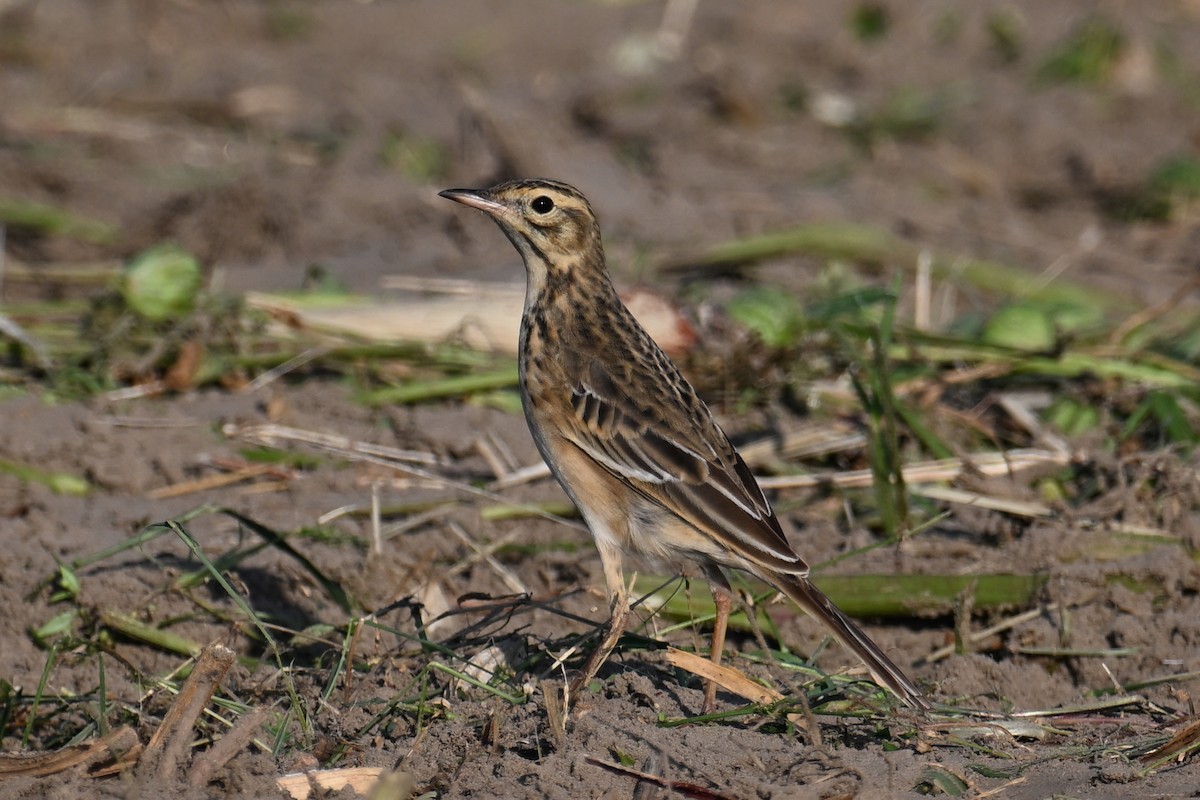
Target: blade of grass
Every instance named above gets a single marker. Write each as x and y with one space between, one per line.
222 563
874 246
424 391
875 596
929 440
133 628
512 699
1179 677
39 693
58 482
332 588
1069 652
1102 363
101 696
343 658
8 702
920 595
51 220
147 534
662 596
878 400
1106 704
1182 745
563 508
296 707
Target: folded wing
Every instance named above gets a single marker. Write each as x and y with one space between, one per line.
689 468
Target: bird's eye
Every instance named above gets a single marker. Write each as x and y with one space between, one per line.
542 204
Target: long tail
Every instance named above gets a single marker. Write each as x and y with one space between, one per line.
804 594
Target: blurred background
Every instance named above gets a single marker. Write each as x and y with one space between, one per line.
934 265
268 137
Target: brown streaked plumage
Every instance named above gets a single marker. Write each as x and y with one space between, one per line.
628 437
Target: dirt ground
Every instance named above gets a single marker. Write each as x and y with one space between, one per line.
271 137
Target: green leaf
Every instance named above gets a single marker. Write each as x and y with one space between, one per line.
68 582
1072 417
67 484
1163 408
870 21
53 221
58 625
773 316
851 304
1086 56
1021 327
1177 177
937 780
272 455
313 634
1004 29
992 772
59 482
162 282
419 158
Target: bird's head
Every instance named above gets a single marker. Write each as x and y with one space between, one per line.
550 223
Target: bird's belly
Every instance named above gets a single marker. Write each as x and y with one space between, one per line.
667 542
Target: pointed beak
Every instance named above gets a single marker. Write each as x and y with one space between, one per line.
475 198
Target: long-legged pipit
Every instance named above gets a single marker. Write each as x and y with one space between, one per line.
629 439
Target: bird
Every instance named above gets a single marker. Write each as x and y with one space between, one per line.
629 439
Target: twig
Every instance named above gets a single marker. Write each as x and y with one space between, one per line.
173 736
1004 787
147 422
147 389
376 520
947 494
1003 463
270 435
484 551
529 474
492 456
1185 740
368 453
361 781
1019 406
416 283
12 330
556 710
1157 311
924 292
291 364
979 636
414 521
217 481
724 676
206 765
682 787
121 745
1106 704
506 575
805 441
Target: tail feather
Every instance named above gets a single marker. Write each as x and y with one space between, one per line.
804 594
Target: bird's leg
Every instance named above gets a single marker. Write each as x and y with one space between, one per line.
723 600
618 600
616 626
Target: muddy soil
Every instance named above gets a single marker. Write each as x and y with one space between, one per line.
271 137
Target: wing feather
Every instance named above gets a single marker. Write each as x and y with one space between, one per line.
688 468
